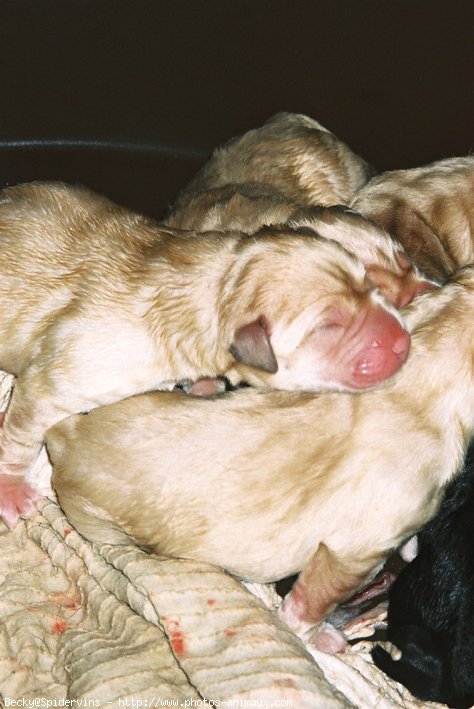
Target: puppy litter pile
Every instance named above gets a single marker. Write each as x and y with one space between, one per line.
108 623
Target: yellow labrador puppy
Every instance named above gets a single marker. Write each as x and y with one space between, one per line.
98 303
276 174
269 484
291 155
430 210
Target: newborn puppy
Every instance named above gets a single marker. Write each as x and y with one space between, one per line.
98 303
291 155
273 174
245 206
386 263
249 207
430 210
431 605
266 485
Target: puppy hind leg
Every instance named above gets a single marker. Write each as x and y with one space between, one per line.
321 586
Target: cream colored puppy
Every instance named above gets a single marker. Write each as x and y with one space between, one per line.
430 210
291 155
244 206
248 208
98 303
385 260
275 175
269 484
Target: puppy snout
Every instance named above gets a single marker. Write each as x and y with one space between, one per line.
385 345
401 345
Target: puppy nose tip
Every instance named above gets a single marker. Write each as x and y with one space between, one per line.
401 345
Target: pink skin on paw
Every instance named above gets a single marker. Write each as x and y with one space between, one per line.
17 498
411 283
401 287
207 387
320 636
328 639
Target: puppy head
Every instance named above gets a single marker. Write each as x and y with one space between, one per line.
304 316
386 262
429 209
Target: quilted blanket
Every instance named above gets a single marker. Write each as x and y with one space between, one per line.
85 625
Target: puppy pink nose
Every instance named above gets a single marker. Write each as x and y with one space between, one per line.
401 346
385 345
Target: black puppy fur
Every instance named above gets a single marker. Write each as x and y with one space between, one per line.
431 604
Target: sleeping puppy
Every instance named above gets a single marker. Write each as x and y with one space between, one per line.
98 303
291 156
386 263
430 210
244 206
430 613
266 485
249 207
273 175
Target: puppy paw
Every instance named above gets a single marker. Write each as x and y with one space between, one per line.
17 498
206 387
328 639
409 550
315 635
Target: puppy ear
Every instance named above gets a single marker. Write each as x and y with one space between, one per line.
252 345
419 240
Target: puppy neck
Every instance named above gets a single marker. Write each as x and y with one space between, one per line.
182 303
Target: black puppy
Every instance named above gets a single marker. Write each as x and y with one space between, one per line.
431 604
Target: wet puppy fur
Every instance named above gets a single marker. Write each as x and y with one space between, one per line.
290 159
283 173
431 605
98 303
267 485
429 210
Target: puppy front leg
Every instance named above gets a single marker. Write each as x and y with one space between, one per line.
321 586
24 424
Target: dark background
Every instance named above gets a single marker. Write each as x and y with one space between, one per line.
131 97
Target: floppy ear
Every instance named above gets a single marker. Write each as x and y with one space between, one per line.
418 239
252 346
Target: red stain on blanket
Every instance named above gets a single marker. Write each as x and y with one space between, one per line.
175 634
59 627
